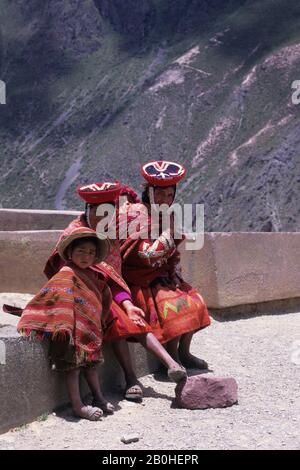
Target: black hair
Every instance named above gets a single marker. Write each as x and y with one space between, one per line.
145 193
145 196
87 205
79 241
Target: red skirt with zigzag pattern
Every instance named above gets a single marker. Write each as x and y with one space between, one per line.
171 313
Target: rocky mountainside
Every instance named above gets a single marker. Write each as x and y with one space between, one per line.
95 88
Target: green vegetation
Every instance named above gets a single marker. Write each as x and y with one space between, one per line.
115 98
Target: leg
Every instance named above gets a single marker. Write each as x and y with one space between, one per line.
175 371
172 348
150 342
92 378
187 359
122 352
79 409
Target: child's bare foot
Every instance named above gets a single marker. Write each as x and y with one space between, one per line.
107 407
176 373
193 362
88 412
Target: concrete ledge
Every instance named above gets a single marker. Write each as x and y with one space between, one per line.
245 268
29 388
22 219
22 259
231 269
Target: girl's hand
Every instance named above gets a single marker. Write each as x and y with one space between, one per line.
135 314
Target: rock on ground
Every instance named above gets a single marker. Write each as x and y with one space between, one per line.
205 391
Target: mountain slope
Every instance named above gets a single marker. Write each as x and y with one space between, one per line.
95 88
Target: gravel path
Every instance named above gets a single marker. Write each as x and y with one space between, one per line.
261 353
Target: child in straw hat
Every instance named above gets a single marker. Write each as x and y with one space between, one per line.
68 310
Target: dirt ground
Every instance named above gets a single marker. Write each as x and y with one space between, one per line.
261 353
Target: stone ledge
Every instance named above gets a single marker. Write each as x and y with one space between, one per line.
28 219
23 255
244 268
232 268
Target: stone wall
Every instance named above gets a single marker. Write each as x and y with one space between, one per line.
231 269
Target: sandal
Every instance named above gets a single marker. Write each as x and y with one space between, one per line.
89 412
134 393
176 374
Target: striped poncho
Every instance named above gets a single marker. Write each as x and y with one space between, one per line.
68 308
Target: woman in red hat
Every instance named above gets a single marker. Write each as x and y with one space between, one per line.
125 320
174 309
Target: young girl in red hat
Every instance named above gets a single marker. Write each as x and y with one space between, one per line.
151 268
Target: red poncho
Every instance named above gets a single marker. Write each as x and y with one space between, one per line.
68 308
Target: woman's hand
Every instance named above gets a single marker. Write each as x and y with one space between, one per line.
135 314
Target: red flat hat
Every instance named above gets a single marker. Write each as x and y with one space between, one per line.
163 173
98 193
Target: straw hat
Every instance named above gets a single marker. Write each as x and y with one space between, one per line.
103 246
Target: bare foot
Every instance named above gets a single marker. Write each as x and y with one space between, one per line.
88 412
107 407
177 373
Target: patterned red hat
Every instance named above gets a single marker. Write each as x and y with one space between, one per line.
163 173
98 193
